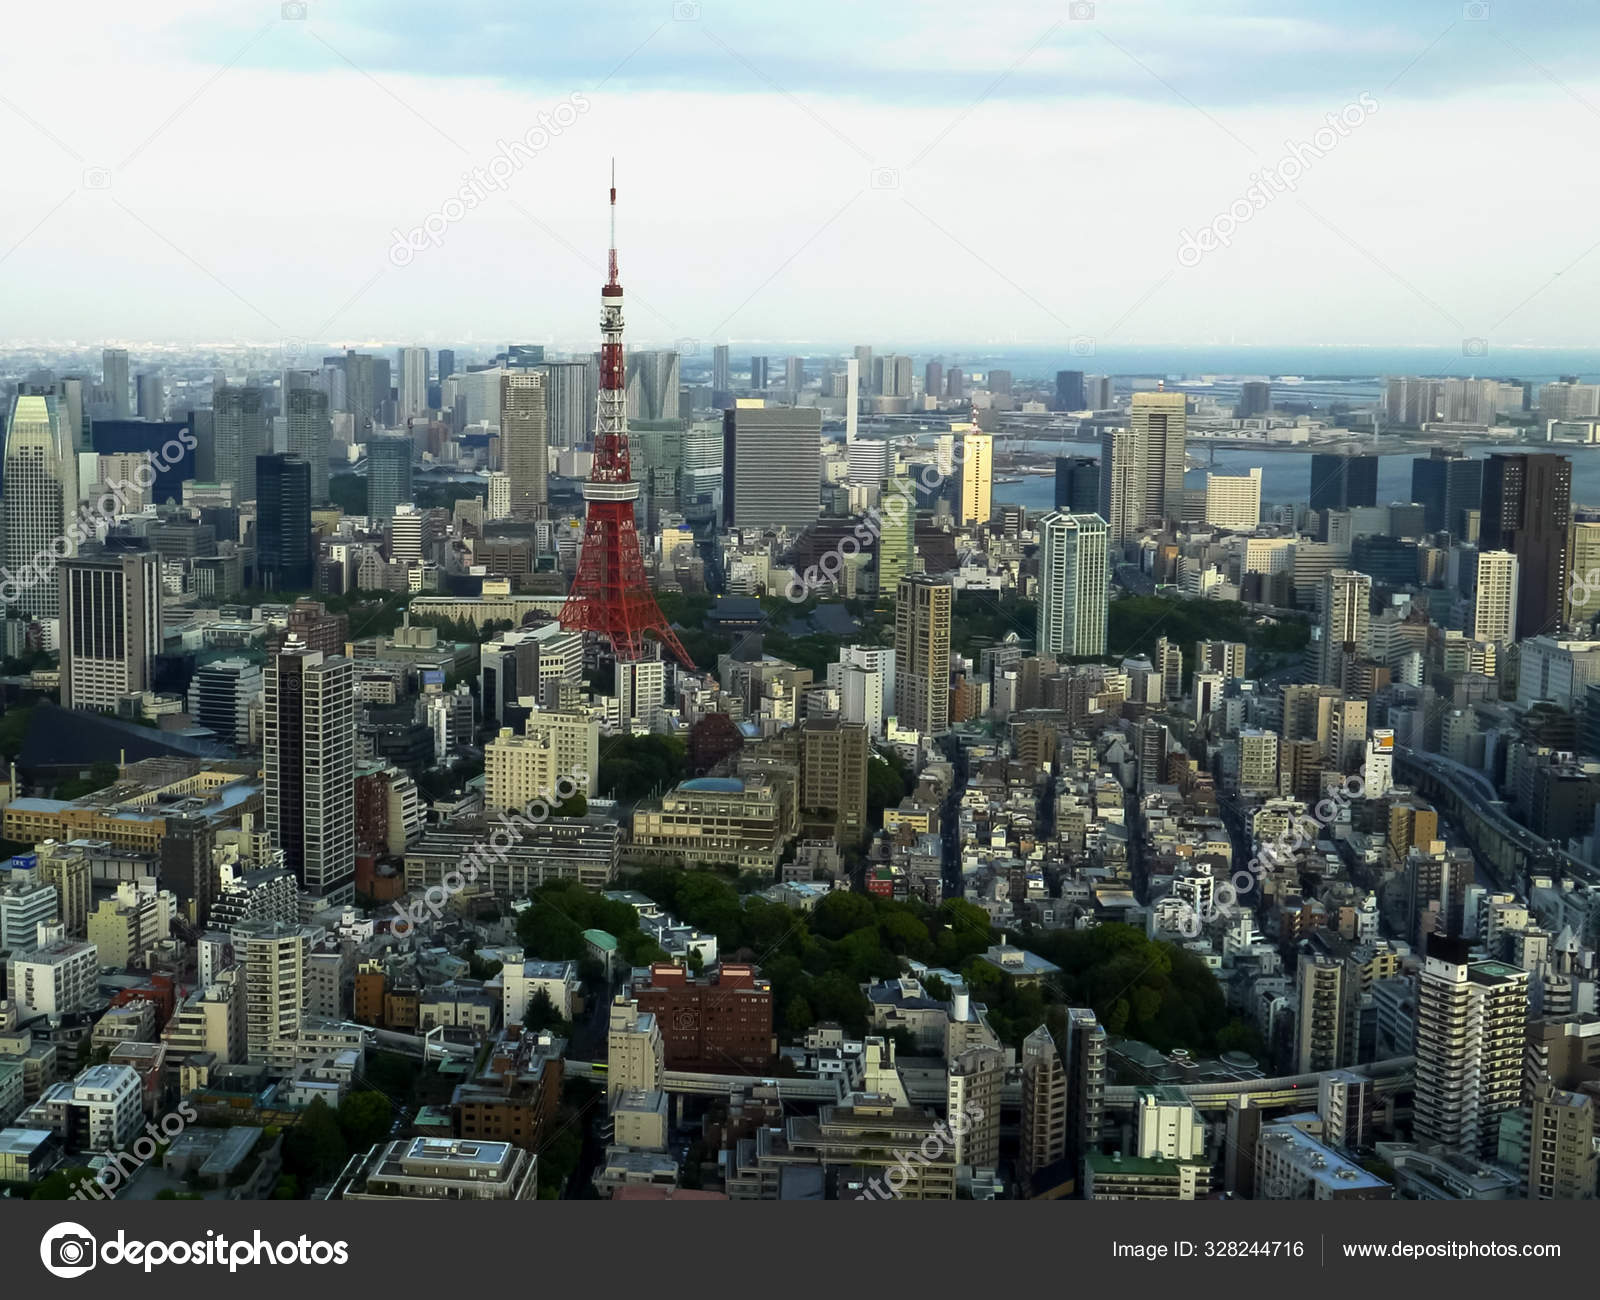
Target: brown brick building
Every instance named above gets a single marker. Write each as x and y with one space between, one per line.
717 1025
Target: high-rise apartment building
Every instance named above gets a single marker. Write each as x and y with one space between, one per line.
285 553
554 749
1044 1107
1494 606
1087 1071
1327 1026
976 1079
40 497
1346 622
1121 485
922 611
1562 1155
525 441
1527 510
240 433
1159 423
110 626
1074 579
1583 564
273 956
771 467
977 478
497 503
309 726
1471 1023
388 476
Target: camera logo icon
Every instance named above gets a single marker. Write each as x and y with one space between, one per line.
68 1250
885 178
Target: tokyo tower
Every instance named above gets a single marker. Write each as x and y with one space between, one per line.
611 595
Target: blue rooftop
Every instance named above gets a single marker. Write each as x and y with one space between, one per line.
714 785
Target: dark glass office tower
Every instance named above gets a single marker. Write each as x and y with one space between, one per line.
1445 483
1342 482
1077 484
1069 391
283 522
1527 510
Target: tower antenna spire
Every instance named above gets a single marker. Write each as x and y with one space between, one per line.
613 257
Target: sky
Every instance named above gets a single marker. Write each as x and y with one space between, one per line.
1065 175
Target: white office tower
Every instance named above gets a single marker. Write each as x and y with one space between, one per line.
860 695
1234 500
405 535
498 505
1159 423
413 382
39 495
309 731
874 659
1073 582
1494 608
641 692
852 398
1346 622
870 460
1471 1024
110 627
1377 773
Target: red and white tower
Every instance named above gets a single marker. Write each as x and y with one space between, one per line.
611 595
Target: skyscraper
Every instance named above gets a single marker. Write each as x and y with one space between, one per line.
1340 482
758 374
1527 510
977 477
308 736
922 611
652 385
447 363
110 626
1255 398
525 441
1044 1107
152 397
794 376
933 379
1073 584
1078 485
771 467
1346 622
413 382
1069 391
1494 607
864 365
1159 424
171 455
569 398
285 556
1471 1023
388 475
897 533
955 383
114 379
1446 483
1122 495
241 433
311 436
361 393
40 498
720 380
1085 1056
